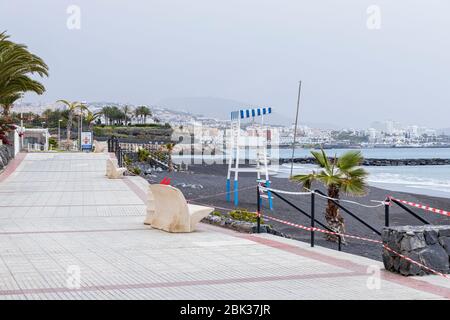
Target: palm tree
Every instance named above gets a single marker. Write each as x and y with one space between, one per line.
169 148
127 111
138 114
106 112
71 107
16 66
91 117
341 174
145 112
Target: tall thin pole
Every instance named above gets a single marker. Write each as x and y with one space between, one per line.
59 133
22 130
295 128
79 135
81 127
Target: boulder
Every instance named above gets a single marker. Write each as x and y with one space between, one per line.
427 245
445 243
406 267
431 236
412 242
435 257
444 232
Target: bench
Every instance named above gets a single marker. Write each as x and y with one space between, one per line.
168 210
99 148
113 171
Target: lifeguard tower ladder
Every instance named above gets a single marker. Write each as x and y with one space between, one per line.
236 143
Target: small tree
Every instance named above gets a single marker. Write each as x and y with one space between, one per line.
91 118
169 148
341 174
143 154
71 108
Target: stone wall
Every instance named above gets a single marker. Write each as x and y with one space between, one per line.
6 154
429 245
382 162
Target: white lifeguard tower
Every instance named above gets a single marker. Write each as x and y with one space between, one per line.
258 141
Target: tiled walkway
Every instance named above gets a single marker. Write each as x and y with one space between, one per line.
60 218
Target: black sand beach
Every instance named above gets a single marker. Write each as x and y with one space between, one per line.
212 179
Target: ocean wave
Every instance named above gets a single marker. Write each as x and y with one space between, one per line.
429 180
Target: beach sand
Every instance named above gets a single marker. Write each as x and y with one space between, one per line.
212 179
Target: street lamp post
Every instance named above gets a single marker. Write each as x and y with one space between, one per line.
22 131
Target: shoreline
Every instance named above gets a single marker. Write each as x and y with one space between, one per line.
380 162
206 184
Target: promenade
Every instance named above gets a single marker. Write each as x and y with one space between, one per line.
68 232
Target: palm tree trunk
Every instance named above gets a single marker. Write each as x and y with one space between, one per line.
170 162
333 217
69 127
6 110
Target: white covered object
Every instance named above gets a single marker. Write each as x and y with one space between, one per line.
113 171
99 147
168 210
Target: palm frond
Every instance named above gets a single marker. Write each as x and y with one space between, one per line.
349 160
321 159
305 179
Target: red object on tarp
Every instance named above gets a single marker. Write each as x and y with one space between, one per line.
165 181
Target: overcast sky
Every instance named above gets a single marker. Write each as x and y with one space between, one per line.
254 51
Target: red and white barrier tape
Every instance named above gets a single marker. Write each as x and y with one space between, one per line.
262 188
342 235
360 238
415 262
220 193
423 207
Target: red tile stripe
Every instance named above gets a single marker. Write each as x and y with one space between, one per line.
12 166
352 266
177 284
8 233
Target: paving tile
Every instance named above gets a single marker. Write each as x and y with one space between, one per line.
58 211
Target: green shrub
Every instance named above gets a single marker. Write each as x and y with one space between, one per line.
154 132
217 213
244 215
136 171
143 155
127 160
53 143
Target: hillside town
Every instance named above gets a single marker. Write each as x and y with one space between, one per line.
211 131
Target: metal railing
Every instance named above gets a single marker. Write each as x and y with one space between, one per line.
114 147
122 149
311 216
401 205
350 213
314 221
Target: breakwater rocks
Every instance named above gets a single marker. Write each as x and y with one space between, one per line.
6 154
382 162
428 245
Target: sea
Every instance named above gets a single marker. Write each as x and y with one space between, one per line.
427 180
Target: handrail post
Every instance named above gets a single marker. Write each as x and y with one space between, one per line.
339 243
258 206
119 156
312 218
386 212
